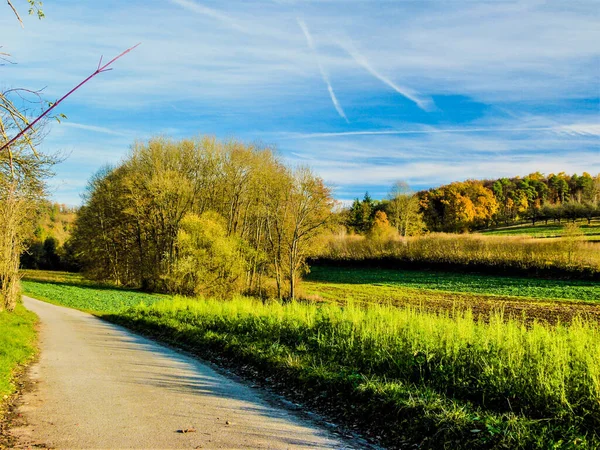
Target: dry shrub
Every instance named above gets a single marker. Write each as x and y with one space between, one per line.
569 253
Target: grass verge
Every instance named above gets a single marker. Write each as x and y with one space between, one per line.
17 347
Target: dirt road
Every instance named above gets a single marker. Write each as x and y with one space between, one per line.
99 386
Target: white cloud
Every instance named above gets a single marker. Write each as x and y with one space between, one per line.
586 129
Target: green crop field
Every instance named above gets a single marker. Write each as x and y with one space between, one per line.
541 230
357 278
74 291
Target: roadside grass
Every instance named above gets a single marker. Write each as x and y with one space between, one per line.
590 231
403 376
17 347
425 283
407 376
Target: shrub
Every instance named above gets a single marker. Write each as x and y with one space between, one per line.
208 261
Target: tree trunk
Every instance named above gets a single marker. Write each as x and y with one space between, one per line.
292 279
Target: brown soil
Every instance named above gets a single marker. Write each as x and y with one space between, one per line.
526 310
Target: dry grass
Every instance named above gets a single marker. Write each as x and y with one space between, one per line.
571 255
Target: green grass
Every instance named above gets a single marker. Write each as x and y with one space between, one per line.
406 375
357 278
17 345
541 230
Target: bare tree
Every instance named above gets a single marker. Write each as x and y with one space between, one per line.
23 170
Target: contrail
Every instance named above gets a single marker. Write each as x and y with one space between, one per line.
575 129
324 75
206 11
425 104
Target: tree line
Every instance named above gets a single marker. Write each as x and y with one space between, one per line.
48 247
478 204
201 216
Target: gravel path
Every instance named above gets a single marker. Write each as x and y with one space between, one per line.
100 386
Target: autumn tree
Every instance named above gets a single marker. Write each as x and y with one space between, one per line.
382 231
404 210
459 206
310 205
171 202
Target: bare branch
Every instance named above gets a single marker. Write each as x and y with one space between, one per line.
16 13
99 70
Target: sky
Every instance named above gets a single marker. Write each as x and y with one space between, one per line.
366 93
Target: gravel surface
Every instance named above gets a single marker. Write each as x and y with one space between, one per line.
97 385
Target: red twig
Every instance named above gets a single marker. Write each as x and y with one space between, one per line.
100 69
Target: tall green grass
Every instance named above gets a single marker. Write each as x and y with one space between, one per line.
17 346
497 384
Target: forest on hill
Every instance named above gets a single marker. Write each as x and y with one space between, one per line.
479 204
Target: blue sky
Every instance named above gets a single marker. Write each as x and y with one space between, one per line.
364 92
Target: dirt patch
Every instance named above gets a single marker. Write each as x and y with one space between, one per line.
482 306
10 418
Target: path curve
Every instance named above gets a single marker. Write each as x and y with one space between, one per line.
100 386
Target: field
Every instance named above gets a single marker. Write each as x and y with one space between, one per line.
552 230
534 288
17 346
404 376
74 291
529 298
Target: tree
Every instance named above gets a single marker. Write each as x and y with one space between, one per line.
132 227
404 210
361 213
382 230
300 211
22 172
35 7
